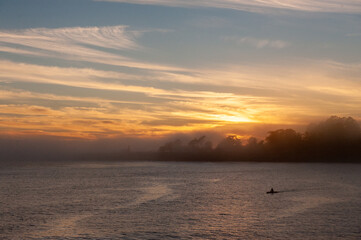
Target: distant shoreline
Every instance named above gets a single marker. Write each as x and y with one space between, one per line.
146 157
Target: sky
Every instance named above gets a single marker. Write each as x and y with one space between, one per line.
84 69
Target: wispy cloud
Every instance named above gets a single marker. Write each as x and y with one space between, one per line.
115 37
73 77
257 42
256 83
194 109
16 95
353 34
346 6
273 95
90 44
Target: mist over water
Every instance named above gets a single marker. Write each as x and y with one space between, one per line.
162 200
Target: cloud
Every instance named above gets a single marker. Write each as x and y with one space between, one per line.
73 77
110 80
114 37
69 42
90 44
256 42
353 34
16 95
269 89
342 6
24 112
156 110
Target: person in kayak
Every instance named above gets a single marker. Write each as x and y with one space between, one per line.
272 191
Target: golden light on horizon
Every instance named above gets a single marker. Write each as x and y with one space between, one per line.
233 119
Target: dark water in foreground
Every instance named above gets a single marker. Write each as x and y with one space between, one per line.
181 200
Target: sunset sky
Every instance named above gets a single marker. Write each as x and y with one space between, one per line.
149 68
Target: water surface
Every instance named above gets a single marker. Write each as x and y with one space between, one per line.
159 200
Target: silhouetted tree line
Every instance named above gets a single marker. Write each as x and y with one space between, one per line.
338 139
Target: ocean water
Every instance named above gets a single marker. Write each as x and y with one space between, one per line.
174 200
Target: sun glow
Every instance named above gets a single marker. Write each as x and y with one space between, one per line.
233 119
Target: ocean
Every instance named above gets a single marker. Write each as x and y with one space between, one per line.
181 200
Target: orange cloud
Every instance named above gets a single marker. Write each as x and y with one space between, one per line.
268 98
